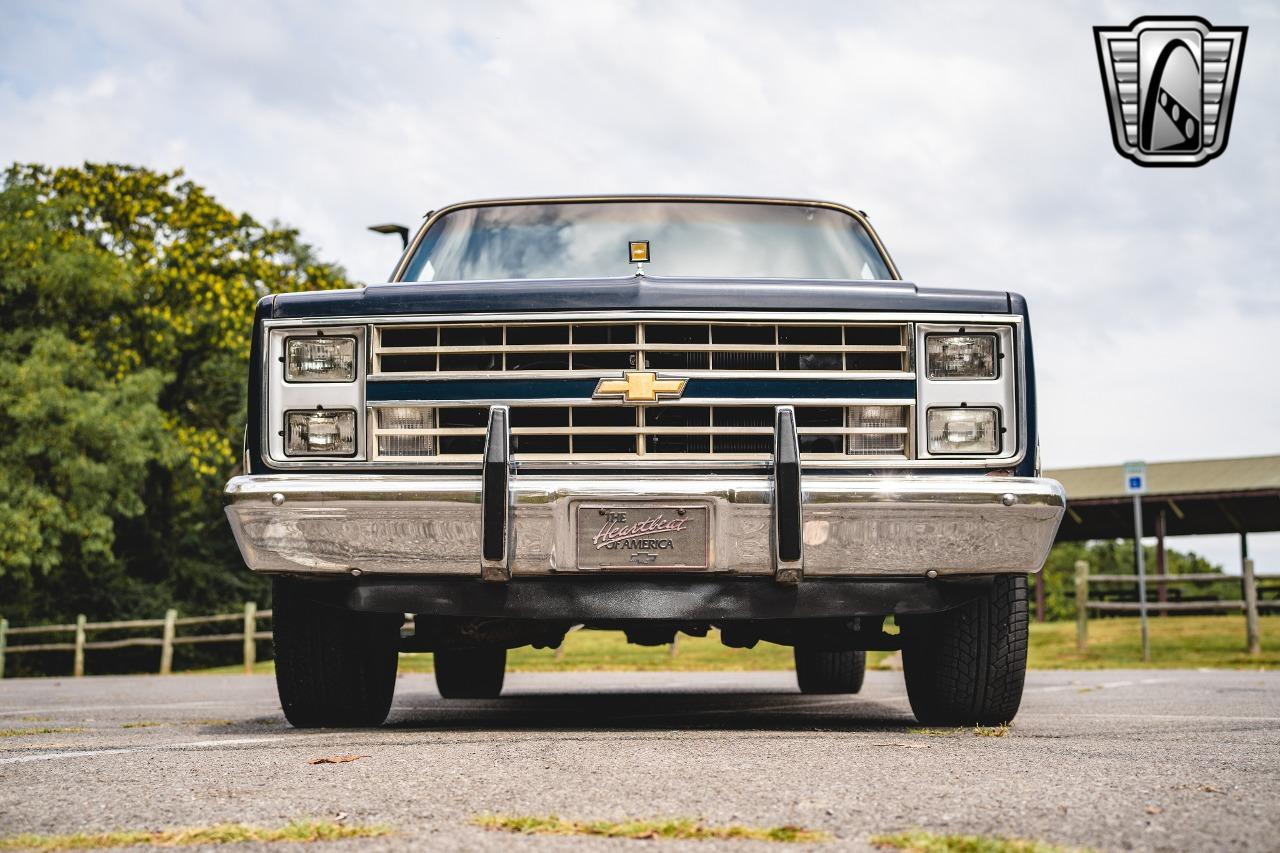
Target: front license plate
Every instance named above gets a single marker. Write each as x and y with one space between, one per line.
643 536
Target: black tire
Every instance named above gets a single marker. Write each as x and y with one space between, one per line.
470 673
821 672
966 667
334 667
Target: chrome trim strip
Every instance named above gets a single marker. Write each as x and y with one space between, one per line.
431 219
846 375
651 314
853 526
1013 320
578 402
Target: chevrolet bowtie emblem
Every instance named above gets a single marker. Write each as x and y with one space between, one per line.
640 386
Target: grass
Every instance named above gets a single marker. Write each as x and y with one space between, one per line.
1176 642
1181 642
141 724
223 833
919 841
40 730
682 829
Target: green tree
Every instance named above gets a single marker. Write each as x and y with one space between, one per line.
126 305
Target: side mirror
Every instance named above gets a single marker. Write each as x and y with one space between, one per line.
393 229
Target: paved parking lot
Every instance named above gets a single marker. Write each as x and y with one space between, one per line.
1147 760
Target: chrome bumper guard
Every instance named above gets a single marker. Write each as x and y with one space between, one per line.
498 524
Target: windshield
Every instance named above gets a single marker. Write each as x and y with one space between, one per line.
686 238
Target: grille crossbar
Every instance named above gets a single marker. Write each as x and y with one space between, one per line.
571 348
456 433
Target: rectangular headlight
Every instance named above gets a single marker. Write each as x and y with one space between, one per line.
320 433
964 430
320 359
961 356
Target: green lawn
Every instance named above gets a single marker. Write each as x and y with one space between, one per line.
1176 641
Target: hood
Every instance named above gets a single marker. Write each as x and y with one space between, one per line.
633 292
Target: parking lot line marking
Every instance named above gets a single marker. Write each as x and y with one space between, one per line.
195 744
1197 718
53 709
1106 685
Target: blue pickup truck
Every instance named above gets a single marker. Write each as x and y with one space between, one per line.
652 414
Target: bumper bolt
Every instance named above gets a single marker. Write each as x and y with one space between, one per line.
1008 499
355 573
931 574
277 498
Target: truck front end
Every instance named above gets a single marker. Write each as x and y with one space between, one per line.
772 436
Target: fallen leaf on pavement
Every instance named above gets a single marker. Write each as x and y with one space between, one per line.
1155 810
336 759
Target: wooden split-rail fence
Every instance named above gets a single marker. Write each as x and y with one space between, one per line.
247 636
1248 602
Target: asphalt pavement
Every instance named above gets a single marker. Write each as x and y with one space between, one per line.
1141 760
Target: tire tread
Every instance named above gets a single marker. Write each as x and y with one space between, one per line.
967 666
334 667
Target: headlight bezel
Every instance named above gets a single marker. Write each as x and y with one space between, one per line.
997 431
353 359
288 434
996 357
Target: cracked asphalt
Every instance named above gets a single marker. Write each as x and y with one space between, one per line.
1141 760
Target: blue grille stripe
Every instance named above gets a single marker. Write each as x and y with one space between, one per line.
541 389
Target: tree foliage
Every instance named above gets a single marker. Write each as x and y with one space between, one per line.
126 305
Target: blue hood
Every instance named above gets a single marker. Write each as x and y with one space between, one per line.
634 292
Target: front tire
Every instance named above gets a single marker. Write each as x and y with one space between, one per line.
966 667
823 672
470 673
334 667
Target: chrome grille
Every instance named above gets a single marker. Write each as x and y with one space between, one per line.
607 347
456 433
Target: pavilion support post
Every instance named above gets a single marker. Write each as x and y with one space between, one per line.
1162 565
1251 628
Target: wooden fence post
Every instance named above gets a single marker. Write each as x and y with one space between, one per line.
4 629
1251 629
77 666
250 642
166 641
675 647
1082 606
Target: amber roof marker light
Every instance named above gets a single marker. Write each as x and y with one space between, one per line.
639 254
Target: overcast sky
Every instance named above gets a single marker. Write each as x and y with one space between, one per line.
975 135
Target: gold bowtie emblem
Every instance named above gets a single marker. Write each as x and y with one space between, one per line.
640 386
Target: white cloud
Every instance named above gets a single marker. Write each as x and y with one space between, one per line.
975 136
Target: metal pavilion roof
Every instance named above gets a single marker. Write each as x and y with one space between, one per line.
1197 496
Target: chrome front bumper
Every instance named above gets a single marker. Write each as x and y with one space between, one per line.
850 525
